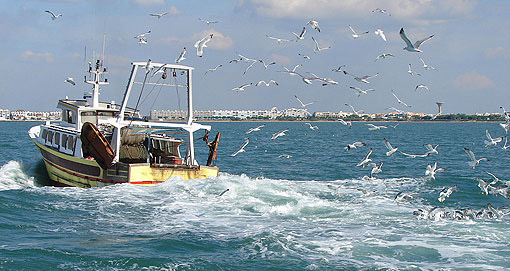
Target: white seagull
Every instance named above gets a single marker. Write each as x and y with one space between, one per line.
142 40
53 16
254 129
242 148
432 170
411 72
279 40
382 11
314 24
142 35
398 100
365 160
492 141
340 69
415 155
363 79
383 56
70 80
317 48
380 33
300 36
474 162
325 81
391 149
373 127
354 111
312 127
266 84
484 186
266 65
431 150
241 88
361 91
356 35
278 134
213 69
346 123
291 72
200 44
354 145
181 56
412 47
301 102
421 86
446 192
304 56
425 65
208 22
376 169
159 15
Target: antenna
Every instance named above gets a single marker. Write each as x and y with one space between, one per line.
104 44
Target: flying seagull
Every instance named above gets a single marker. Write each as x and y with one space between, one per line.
431 150
373 127
213 69
291 72
301 36
346 123
200 44
361 91
380 33
266 84
142 35
383 56
53 16
376 169
181 56
421 86
412 47
301 102
398 100
411 72
354 145
242 148
159 15
241 88
363 79
312 127
340 69
354 111
474 162
382 11
415 155
255 129
314 24
70 80
391 149
365 160
279 40
266 65
208 22
492 141
446 192
278 134
317 48
433 170
356 35
425 65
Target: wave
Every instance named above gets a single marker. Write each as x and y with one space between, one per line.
13 177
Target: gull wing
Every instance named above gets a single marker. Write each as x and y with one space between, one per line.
404 37
51 12
429 147
369 76
352 29
388 144
419 42
368 154
488 135
470 153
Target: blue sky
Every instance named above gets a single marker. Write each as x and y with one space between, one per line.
469 50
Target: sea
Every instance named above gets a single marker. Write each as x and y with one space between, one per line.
298 202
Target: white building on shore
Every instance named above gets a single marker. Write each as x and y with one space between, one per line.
274 113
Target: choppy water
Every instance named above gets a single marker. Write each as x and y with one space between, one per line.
314 211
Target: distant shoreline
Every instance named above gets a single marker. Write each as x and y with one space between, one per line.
354 121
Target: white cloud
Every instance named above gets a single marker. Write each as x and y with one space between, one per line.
31 56
406 9
473 80
497 52
150 2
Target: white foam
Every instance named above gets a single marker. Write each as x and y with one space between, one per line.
12 177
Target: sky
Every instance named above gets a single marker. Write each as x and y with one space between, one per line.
470 51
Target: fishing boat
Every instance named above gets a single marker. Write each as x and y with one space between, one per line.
99 143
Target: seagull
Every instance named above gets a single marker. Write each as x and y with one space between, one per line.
354 111
159 15
53 16
505 146
484 186
398 100
501 190
376 169
432 170
363 79
421 86
247 59
314 25
380 33
142 40
492 141
181 56
410 47
360 91
317 48
208 22
266 84
424 214
307 80
70 80
339 69
304 56
397 110
432 150
395 126
346 123
236 60
403 196
496 179
249 66
356 35
388 145
474 162
161 69
325 81
284 156
446 192
142 35
241 88
293 71
301 102
425 65
374 127
254 129
148 66
383 56
354 145
279 40
266 65
278 134
381 11
415 155
505 126
201 44
242 148
312 127
300 36
365 160
213 69
411 72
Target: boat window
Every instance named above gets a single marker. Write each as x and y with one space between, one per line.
70 142
44 134
57 138
64 140
69 117
50 136
89 116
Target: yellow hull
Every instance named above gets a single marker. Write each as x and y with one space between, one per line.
67 170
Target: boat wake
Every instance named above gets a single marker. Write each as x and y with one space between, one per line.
12 177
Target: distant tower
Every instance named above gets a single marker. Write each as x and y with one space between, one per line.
439 108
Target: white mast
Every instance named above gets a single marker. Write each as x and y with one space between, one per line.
97 81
